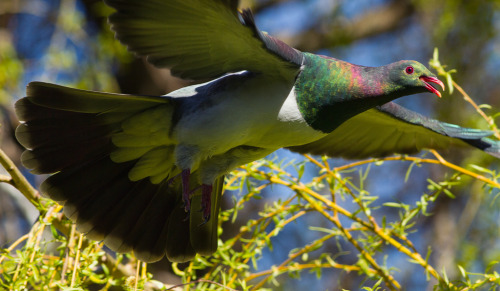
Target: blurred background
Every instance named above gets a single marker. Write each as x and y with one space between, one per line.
69 42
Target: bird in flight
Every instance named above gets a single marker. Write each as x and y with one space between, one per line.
134 170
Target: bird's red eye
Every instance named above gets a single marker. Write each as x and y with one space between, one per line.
409 70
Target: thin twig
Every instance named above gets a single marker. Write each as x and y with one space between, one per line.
201 281
77 260
6 179
19 181
12 247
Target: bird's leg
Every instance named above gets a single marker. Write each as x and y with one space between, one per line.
206 201
185 189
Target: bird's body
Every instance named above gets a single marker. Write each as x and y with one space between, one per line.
258 121
129 167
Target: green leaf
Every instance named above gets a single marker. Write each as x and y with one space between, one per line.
449 81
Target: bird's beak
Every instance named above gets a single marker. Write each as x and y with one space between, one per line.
429 87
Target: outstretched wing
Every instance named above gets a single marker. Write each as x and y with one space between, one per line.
200 39
113 192
390 129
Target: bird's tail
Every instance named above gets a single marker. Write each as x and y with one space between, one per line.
102 186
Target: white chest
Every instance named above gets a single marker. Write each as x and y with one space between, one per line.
258 113
290 128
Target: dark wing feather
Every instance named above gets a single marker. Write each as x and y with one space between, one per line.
200 39
68 132
62 126
390 129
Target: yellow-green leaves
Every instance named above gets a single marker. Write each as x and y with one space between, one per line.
436 65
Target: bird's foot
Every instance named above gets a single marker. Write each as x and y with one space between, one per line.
206 196
206 201
186 195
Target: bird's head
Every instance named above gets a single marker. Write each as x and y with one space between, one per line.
414 76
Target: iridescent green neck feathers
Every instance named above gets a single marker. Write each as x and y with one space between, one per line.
330 91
